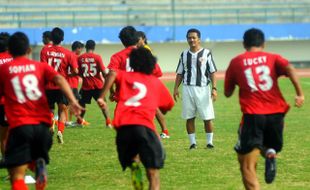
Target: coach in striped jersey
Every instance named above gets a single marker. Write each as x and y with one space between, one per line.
196 70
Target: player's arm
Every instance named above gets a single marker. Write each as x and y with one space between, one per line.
107 86
213 83
291 73
166 102
178 81
229 84
65 88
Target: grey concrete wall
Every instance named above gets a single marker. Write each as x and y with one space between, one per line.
168 53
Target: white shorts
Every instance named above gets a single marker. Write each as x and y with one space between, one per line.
197 100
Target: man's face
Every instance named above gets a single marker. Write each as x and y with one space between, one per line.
78 51
193 40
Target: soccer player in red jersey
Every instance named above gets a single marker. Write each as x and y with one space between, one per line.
73 79
5 57
261 130
142 42
60 59
140 94
22 83
120 61
92 70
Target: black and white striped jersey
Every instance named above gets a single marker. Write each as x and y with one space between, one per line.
196 67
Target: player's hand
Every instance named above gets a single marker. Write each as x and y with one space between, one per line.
176 95
214 95
101 103
76 108
299 101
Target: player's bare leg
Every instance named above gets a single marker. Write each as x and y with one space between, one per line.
107 117
61 122
153 178
17 175
162 122
248 163
3 138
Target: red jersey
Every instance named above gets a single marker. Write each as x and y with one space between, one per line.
60 59
120 61
91 66
43 51
5 57
139 97
256 74
22 83
73 80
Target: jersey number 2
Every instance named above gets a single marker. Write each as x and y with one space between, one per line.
134 100
265 81
30 82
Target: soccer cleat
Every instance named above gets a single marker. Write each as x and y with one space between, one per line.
164 136
60 137
136 176
270 167
41 174
82 122
193 146
210 146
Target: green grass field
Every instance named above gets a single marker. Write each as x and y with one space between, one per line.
88 159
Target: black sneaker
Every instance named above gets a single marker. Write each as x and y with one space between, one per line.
41 174
193 146
270 168
210 146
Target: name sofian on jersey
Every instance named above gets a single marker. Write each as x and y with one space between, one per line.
22 68
255 61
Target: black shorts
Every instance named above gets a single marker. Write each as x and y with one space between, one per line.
55 96
27 143
3 121
134 139
87 95
76 94
260 131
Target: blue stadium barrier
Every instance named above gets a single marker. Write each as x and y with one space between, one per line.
232 32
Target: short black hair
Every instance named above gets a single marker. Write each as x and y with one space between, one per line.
253 37
142 60
47 34
18 44
4 39
76 44
90 44
128 36
193 30
142 35
57 35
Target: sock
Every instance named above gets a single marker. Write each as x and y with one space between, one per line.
19 185
209 138
61 126
192 138
79 120
270 151
166 131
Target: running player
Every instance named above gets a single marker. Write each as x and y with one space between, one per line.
22 83
140 94
5 57
261 130
60 59
142 42
92 71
